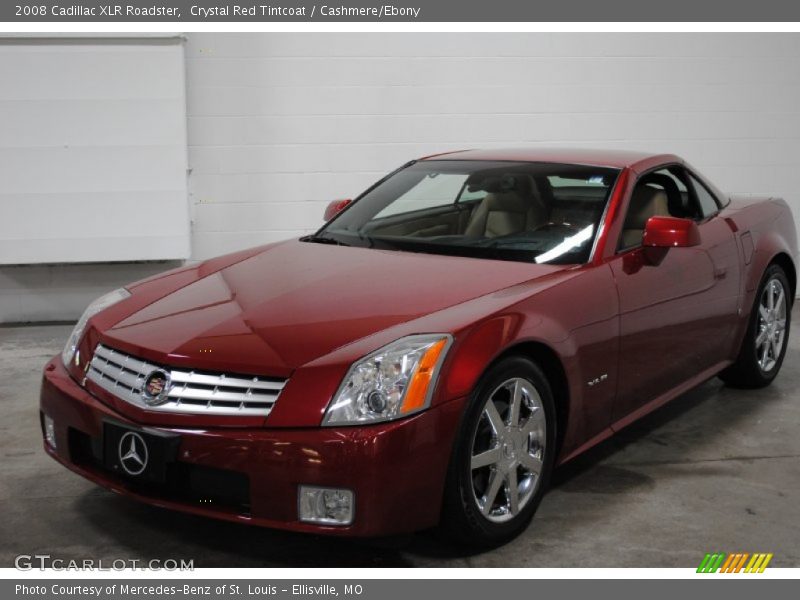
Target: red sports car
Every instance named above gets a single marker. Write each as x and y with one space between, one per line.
427 357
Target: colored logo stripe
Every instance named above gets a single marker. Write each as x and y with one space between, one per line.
711 562
734 563
758 563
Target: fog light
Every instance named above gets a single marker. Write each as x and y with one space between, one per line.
50 432
328 506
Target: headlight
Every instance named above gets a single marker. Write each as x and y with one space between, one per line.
391 383
95 307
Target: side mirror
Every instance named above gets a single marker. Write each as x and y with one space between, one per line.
335 207
670 232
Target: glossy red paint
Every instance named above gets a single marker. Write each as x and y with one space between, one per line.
335 207
609 231
600 158
368 460
647 322
670 232
320 308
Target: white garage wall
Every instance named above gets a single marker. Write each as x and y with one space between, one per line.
281 123
278 124
93 163
92 149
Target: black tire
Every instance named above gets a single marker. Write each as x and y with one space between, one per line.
462 519
747 371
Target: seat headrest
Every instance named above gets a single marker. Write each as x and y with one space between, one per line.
501 184
506 202
646 202
675 199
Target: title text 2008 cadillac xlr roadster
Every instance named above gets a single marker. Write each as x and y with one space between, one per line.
427 357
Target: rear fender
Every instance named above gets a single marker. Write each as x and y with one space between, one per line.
766 234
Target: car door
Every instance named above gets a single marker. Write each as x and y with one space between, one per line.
677 308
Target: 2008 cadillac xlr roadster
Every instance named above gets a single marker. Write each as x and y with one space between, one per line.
431 354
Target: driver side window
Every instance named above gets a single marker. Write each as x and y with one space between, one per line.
660 193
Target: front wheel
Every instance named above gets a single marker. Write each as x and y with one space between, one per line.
764 345
503 455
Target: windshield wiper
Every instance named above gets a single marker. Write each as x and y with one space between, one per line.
319 239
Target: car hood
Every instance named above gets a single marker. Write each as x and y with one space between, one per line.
293 302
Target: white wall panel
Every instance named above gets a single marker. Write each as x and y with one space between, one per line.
279 123
92 150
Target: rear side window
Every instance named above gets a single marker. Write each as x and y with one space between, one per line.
587 181
708 203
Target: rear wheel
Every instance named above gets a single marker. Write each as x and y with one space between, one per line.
503 455
764 345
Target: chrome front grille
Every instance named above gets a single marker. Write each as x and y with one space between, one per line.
189 392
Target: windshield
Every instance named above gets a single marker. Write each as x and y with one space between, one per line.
533 212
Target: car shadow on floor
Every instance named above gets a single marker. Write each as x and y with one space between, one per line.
148 532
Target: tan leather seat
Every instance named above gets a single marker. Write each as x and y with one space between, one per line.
646 202
508 212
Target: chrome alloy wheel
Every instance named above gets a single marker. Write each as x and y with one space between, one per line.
771 325
508 450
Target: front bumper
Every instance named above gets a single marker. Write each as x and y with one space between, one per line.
396 470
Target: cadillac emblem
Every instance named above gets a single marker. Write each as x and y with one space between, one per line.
156 387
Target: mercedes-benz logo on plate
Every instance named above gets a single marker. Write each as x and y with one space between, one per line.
132 452
155 390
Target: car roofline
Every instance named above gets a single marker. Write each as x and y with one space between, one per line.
587 157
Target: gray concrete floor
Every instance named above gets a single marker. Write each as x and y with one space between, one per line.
716 470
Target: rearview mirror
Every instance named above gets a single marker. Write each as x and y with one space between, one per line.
335 207
670 232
